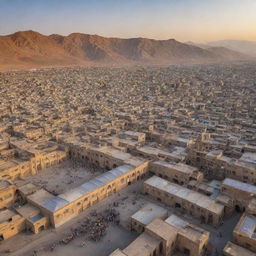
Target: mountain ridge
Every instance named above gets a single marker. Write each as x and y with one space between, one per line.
30 49
243 46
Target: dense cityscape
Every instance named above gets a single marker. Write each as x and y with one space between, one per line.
129 161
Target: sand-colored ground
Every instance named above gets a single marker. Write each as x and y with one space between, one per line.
64 176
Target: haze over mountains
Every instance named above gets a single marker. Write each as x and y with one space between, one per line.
29 49
246 47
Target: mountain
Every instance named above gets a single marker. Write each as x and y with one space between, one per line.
29 49
246 47
201 45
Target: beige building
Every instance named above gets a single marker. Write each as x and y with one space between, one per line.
241 193
211 157
244 233
146 215
251 207
25 190
35 220
191 240
31 158
144 245
106 157
166 237
178 173
192 202
232 249
162 231
15 168
7 193
159 154
138 136
117 252
11 224
65 206
29 132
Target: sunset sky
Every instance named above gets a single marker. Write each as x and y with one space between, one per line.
184 20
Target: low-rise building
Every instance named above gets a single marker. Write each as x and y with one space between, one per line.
232 249
251 207
191 240
178 173
35 220
65 206
11 224
196 204
162 231
7 193
144 245
241 193
244 233
146 215
138 136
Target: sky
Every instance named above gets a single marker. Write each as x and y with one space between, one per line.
184 20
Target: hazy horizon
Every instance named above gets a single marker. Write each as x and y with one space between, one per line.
78 32
183 20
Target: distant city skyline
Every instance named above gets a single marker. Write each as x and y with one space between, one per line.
184 20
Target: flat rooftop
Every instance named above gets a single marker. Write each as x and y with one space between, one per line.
180 167
28 189
184 168
144 245
239 185
95 183
249 157
148 213
134 133
28 211
110 151
54 203
246 226
6 214
176 221
117 252
40 197
232 249
196 198
186 229
163 230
